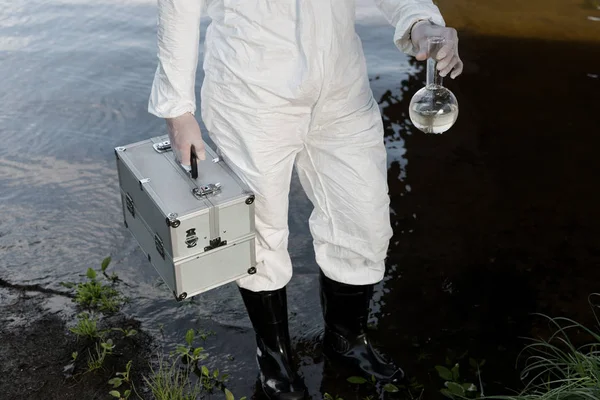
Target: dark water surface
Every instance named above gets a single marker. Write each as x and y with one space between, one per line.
494 220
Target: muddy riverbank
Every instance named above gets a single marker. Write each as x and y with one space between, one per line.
37 349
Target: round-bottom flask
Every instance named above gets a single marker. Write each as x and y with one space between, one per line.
433 108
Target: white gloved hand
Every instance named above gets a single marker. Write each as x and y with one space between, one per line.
184 132
447 57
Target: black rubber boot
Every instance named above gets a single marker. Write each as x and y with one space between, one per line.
346 311
268 313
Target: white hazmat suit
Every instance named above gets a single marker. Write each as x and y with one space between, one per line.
286 84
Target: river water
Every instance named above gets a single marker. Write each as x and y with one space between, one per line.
487 218
76 80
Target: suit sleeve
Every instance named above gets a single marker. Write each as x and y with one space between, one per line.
403 14
178 36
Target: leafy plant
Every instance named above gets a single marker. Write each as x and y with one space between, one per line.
118 395
96 361
86 327
190 354
212 379
119 380
95 295
204 335
454 386
182 378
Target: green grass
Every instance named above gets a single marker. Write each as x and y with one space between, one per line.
172 382
180 377
557 369
96 360
86 327
96 295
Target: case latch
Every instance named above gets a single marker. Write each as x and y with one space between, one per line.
159 246
129 203
162 146
214 243
206 190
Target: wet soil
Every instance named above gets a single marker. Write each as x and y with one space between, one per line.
37 346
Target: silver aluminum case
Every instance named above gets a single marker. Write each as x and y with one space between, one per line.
197 238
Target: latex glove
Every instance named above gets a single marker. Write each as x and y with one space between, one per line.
184 131
447 57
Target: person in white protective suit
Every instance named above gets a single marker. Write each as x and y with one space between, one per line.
286 85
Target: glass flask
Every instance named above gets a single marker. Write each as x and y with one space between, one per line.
433 109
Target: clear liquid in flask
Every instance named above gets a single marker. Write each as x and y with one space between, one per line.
433 109
433 119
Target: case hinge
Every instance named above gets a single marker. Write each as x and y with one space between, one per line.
159 246
214 243
129 203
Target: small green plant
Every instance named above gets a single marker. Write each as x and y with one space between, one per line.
102 349
204 335
95 295
86 327
126 332
120 379
211 380
171 382
192 355
455 387
181 378
118 395
327 396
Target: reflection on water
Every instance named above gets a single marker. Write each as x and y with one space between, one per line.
492 220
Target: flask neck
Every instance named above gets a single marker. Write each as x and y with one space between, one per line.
434 79
434 44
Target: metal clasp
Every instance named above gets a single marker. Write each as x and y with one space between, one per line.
162 147
214 243
165 146
206 190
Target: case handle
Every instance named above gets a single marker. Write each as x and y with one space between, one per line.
194 162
